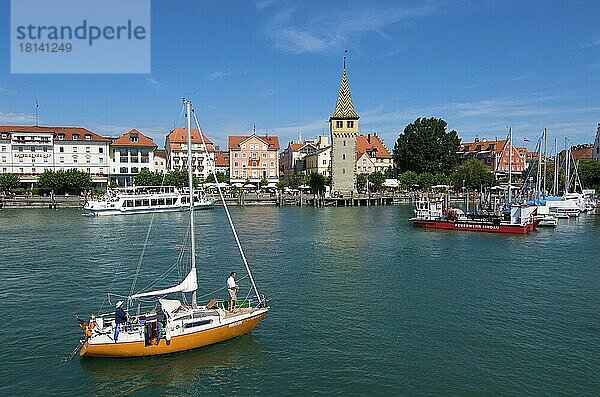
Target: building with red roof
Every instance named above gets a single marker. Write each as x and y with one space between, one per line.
253 158
30 150
130 154
203 152
372 155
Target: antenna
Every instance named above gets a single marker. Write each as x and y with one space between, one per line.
345 52
37 105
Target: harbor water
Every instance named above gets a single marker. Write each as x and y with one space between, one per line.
362 303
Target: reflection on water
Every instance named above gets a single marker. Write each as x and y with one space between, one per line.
192 370
362 304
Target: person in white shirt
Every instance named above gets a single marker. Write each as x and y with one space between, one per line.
232 288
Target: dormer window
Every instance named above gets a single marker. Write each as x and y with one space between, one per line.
4 136
75 137
88 137
61 137
133 138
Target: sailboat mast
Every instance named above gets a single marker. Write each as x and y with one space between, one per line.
567 166
555 181
510 166
539 169
545 159
191 188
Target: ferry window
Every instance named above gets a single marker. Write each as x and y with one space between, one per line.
169 200
146 202
153 202
161 201
138 203
128 203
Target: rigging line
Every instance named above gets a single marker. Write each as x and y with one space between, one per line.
220 289
175 265
137 272
237 240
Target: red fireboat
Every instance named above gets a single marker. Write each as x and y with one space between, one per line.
431 214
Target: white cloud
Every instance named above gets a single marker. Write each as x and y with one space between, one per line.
154 83
316 34
16 118
220 74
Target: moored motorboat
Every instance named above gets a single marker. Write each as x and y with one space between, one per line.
432 215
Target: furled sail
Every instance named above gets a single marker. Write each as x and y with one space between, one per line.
189 284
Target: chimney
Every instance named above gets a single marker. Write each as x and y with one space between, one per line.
369 138
476 138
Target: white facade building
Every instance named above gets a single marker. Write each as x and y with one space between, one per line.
130 154
30 150
203 154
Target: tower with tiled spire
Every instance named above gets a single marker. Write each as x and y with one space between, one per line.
343 126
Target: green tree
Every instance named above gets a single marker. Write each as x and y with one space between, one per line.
408 179
282 184
147 178
589 172
328 180
426 180
263 182
8 182
475 174
376 180
221 177
316 182
361 182
178 178
426 146
70 181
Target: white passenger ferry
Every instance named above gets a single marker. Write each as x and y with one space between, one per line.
144 200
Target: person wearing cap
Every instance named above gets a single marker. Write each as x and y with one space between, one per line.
120 316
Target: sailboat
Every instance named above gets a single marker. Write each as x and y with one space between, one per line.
172 326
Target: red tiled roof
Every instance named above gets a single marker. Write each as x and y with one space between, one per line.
142 140
222 159
583 153
67 131
368 143
179 135
296 146
485 146
234 141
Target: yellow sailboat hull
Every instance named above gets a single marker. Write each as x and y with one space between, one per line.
176 344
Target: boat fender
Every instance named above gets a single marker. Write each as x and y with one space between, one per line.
168 334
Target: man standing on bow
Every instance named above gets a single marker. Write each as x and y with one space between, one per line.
232 288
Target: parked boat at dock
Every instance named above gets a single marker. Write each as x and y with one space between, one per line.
432 215
144 200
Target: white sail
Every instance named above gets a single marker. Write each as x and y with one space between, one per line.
189 284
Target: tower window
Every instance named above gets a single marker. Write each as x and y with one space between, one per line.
343 143
350 124
344 156
339 124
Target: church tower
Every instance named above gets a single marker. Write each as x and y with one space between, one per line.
343 126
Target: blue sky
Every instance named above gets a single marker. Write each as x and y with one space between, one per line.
480 65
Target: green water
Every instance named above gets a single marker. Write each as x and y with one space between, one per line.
362 304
